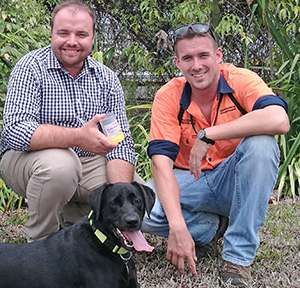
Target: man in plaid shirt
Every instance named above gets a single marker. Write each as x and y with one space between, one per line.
53 152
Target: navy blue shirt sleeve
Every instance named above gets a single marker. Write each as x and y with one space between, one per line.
163 147
268 100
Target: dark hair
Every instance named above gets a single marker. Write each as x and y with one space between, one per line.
190 34
79 4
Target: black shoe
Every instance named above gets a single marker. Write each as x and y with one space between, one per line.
210 249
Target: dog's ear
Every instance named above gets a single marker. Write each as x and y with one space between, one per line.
95 198
148 194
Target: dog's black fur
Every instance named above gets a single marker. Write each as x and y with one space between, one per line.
74 256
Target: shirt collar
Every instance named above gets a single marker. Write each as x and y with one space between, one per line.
223 87
185 99
52 62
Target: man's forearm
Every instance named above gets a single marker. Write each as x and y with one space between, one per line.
271 120
50 136
119 171
167 189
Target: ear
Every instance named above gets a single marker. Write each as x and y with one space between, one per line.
148 195
219 55
176 60
95 198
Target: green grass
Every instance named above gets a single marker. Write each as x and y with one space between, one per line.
276 263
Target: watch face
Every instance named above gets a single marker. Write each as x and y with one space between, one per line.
201 134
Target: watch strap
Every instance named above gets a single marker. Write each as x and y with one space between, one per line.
201 136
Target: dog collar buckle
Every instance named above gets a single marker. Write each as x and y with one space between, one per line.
126 259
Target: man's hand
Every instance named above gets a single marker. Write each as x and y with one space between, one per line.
197 154
88 137
92 140
181 248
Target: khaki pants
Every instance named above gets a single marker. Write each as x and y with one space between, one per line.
56 183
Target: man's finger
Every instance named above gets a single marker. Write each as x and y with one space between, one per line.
180 266
97 118
192 266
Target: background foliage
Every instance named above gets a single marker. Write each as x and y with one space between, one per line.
261 35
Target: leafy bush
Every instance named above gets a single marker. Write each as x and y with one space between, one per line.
20 32
283 23
139 126
272 25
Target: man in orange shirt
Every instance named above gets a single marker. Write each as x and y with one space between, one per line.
214 156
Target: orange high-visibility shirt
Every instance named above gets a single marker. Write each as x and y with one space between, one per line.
169 138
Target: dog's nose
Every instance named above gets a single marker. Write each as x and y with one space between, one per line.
132 221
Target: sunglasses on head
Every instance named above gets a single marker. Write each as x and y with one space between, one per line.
202 28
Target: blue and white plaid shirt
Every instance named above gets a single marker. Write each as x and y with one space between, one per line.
41 91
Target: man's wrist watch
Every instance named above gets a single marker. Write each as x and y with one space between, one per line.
201 136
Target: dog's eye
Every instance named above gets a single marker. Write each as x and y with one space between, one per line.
116 202
136 200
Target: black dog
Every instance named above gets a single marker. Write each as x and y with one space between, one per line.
91 253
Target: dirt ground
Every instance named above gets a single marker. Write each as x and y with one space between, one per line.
277 262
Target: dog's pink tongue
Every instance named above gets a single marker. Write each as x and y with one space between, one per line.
138 240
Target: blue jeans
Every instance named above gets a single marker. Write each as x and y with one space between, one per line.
239 188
